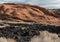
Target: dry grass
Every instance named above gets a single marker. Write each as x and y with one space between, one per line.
3 39
46 37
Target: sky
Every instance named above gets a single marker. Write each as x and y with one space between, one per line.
51 4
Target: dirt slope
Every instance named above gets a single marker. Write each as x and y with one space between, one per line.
28 13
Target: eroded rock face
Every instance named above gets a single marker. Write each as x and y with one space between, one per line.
28 13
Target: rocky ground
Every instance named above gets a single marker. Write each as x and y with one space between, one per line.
29 32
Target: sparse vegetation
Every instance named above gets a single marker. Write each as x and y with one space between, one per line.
3 39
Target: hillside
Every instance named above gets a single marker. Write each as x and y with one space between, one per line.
28 13
28 23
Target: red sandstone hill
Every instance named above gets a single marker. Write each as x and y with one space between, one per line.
28 13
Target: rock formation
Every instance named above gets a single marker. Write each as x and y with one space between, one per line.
28 13
28 23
